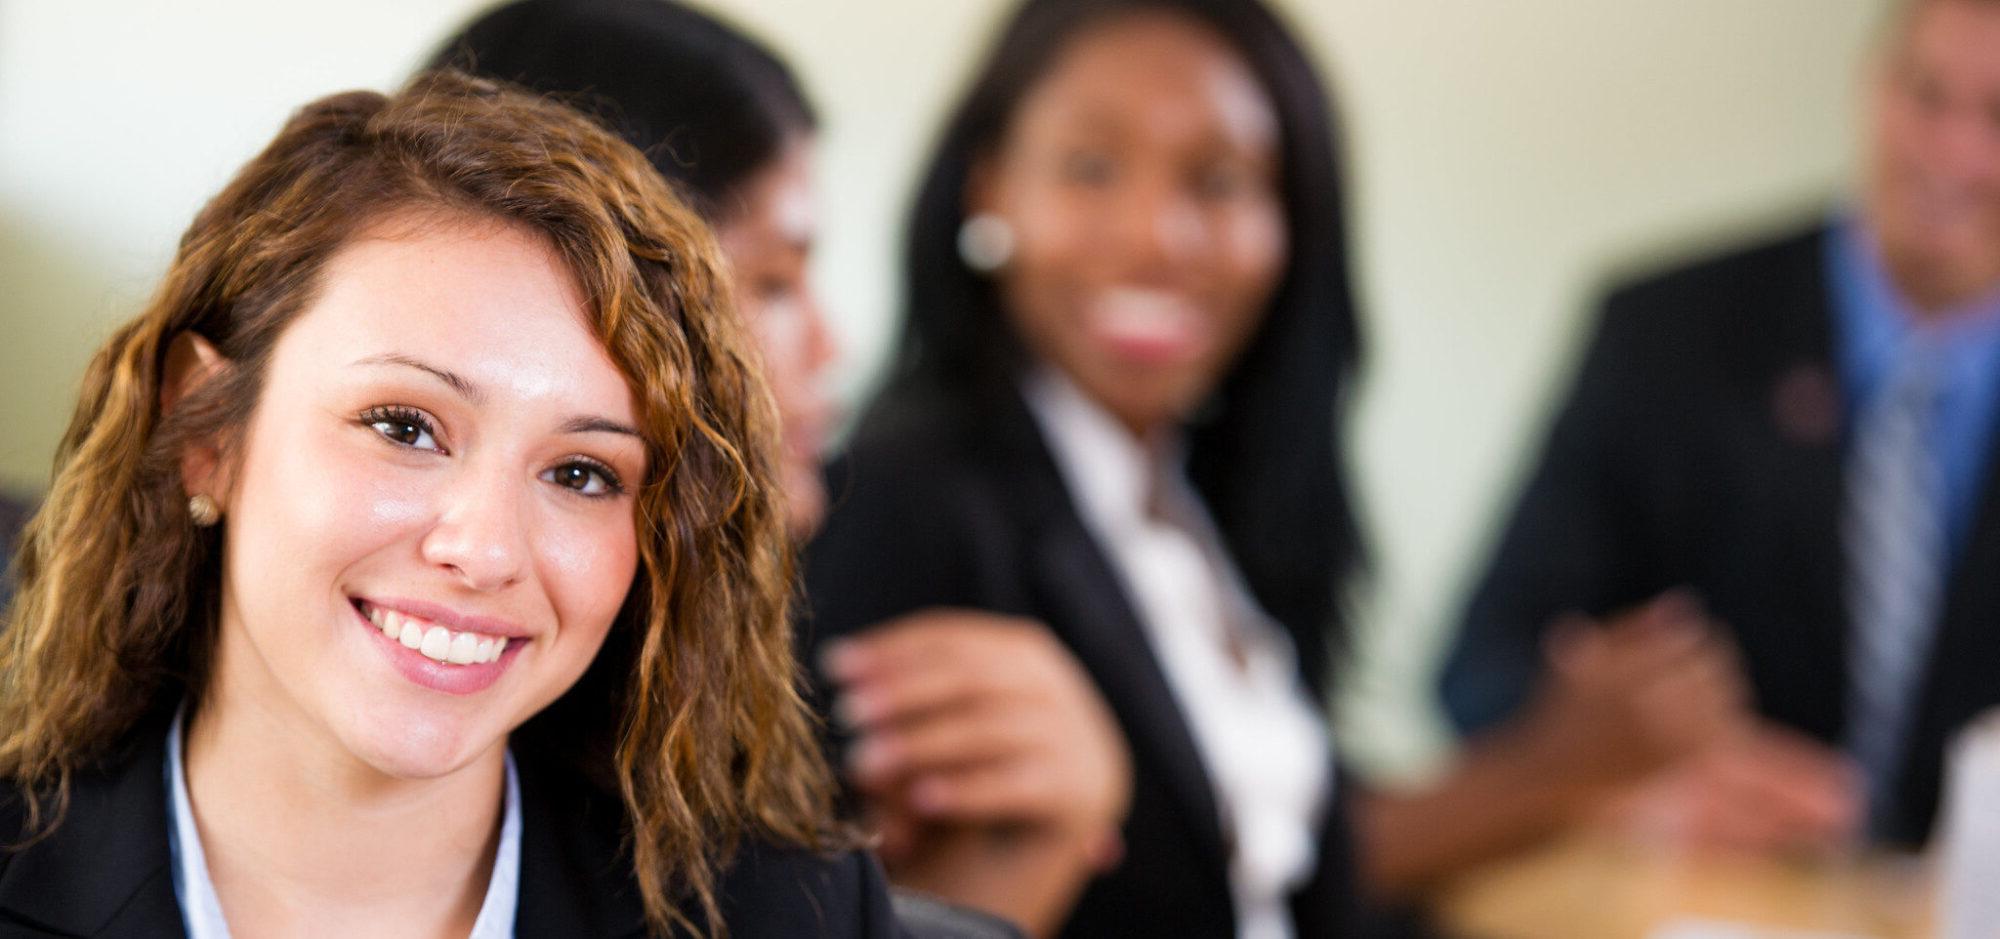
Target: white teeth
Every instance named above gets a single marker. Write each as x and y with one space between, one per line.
436 643
1145 314
464 648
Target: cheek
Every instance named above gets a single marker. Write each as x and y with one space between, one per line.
588 569
306 495
782 344
1255 249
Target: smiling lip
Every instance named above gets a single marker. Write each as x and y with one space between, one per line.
468 678
1149 327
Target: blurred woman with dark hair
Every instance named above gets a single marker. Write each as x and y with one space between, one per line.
1115 415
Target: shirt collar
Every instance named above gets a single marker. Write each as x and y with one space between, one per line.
1878 325
203 910
1110 472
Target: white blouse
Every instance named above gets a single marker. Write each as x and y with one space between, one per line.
1232 669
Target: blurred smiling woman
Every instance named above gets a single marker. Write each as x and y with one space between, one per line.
413 566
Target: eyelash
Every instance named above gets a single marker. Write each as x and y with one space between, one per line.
613 486
407 418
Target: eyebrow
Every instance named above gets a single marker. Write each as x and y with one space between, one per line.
473 393
598 425
457 382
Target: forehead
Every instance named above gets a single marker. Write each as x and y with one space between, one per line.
487 300
1958 38
1157 71
775 204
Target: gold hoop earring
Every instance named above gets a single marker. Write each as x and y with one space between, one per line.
203 511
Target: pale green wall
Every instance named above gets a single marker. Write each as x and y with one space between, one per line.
1505 153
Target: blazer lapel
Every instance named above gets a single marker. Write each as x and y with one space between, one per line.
104 871
575 879
1087 606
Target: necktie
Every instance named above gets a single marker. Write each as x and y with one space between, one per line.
1894 533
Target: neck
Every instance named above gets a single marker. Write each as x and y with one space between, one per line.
300 834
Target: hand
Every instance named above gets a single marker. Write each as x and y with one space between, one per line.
964 717
1767 791
1634 695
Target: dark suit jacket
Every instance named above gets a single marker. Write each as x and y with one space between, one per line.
947 503
104 872
1702 445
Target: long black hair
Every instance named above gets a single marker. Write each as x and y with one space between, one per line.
1266 453
708 104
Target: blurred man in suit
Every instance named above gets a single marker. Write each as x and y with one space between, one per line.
1800 435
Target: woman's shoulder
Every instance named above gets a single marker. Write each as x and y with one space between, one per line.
576 875
771 889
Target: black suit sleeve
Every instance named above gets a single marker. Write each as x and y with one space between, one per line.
1575 542
890 545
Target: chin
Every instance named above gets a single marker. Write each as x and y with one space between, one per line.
412 746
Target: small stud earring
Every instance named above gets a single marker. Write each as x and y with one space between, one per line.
985 242
203 511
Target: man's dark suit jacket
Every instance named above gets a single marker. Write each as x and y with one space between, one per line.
1702 446
945 503
104 871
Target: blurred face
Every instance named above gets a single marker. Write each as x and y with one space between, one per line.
1140 177
768 240
430 528
1934 191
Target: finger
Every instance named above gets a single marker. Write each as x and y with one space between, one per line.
890 697
991 792
923 637
946 741
1799 788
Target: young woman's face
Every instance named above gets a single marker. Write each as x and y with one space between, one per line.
443 451
1141 179
768 239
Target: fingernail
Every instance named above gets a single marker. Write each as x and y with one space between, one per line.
850 710
840 659
867 760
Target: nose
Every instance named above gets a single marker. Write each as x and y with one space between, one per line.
480 537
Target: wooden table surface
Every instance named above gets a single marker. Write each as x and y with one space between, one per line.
1594 886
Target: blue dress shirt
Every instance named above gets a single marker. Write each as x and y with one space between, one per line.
1872 325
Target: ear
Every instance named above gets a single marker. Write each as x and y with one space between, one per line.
191 363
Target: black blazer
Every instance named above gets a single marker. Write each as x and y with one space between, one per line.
1702 445
942 502
105 871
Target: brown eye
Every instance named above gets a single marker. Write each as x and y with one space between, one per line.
584 478
402 426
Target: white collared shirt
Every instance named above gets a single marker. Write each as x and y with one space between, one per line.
1261 737
203 911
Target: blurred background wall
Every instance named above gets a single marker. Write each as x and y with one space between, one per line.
1507 157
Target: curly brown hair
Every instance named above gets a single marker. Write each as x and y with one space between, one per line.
691 713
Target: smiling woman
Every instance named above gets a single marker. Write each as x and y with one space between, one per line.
415 560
